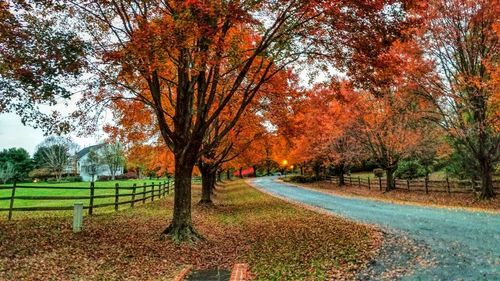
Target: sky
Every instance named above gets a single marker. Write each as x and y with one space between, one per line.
14 134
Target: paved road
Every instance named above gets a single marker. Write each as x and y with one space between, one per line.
465 245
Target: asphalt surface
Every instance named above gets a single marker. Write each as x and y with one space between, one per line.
461 245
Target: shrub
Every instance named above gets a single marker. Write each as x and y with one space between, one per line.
304 179
104 178
73 179
40 173
127 176
378 172
409 170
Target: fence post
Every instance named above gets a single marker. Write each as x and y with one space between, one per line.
408 185
77 217
152 191
359 181
369 187
350 180
448 185
12 196
380 183
426 186
133 195
92 194
164 188
116 196
168 185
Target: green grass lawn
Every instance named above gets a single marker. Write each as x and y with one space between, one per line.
44 189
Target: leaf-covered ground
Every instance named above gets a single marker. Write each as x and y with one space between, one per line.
279 241
452 244
463 200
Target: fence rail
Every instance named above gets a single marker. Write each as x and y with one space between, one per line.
447 185
137 193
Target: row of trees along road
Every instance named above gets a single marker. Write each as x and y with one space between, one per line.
435 94
187 72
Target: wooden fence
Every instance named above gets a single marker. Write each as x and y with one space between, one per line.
136 193
423 185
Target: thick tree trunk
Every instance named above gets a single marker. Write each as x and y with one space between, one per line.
486 180
181 227
219 176
390 179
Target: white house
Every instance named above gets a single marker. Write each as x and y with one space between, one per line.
84 168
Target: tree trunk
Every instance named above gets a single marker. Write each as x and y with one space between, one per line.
254 171
341 175
487 191
219 176
213 179
228 173
181 227
390 179
206 186
301 170
341 179
241 173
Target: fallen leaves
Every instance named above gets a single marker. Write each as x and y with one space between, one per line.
278 240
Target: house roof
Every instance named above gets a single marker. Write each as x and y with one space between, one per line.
86 150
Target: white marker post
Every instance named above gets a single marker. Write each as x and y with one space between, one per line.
77 217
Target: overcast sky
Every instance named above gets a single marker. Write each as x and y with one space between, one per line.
14 134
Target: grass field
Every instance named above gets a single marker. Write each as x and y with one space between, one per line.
278 240
44 189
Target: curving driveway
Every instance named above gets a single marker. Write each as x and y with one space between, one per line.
464 245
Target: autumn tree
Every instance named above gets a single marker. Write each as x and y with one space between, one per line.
461 37
173 56
324 117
